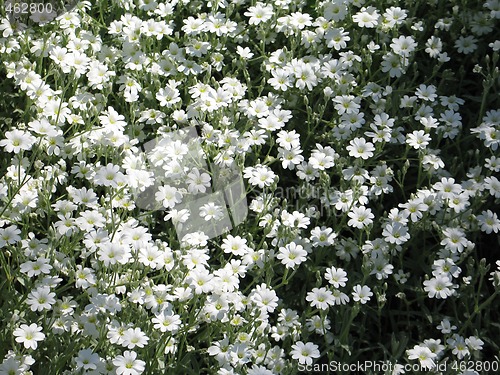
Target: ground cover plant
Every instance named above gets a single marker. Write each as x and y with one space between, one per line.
363 227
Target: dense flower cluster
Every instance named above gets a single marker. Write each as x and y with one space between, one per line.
380 122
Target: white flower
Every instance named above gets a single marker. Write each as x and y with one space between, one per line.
415 208
201 280
423 354
259 13
192 26
394 16
84 277
361 294
112 253
381 268
305 353
29 335
458 345
280 79
445 326
360 217
168 96
9 235
320 298
290 157
493 185
87 360
336 276
321 161
434 46
178 216
489 221
41 298
292 255
240 353
337 38
167 320
295 219
300 20
438 287
245 53
340 298
396 233
346 104
474 343
259 176
322 236
305 76
447 187
466 44
219 349
454 239
403 46
366 17
128 364
418 139
493 164
264 297
259 370
446 267
133 337
17 140
211 211
336 11
197 182
427 93
109 175
112 120
168 195
11 366
235 245
359 148
394 64
40 265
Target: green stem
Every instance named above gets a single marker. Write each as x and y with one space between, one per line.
477 310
